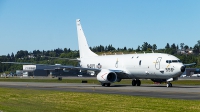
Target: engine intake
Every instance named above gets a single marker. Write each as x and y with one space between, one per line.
106 76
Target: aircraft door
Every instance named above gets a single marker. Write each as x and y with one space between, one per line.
157 64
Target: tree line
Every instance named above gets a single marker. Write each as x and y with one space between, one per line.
41 57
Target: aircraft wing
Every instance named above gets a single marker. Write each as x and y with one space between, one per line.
190 64
68 67
80 68
121 74
62 58
18 63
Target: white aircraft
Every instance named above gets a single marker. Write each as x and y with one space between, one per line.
158 67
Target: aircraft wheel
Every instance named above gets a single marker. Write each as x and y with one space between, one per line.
103 84
138 82
169 84
133 82
108 84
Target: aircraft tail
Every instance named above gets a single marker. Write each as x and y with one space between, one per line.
84 49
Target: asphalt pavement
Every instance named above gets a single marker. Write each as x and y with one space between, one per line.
147 90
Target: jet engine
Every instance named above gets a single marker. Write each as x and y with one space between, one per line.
106 76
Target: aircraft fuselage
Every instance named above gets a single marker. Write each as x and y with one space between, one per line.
147 66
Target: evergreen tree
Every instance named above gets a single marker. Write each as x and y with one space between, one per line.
167 46
65 50
186 47
177 47
145 46
173 46
154 47
182 45
138 49
149 47
125 49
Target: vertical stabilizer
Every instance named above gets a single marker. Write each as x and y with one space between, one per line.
84 49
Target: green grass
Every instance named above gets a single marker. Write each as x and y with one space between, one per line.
124 81
25 100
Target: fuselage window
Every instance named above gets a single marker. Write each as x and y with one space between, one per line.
174 61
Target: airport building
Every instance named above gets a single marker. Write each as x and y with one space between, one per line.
48 70
192 72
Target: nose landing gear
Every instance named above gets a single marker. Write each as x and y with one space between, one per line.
169 84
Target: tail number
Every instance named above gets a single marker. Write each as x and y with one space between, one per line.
91 65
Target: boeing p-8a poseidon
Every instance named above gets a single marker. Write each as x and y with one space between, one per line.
158 67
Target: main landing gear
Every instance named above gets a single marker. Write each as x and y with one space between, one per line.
105 84
169 84
136 82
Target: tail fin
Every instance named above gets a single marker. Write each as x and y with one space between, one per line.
82 42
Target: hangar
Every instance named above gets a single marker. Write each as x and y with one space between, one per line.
192 71
48 70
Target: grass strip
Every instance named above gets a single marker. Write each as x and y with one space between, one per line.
26 100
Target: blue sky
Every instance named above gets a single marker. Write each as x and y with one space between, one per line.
50 24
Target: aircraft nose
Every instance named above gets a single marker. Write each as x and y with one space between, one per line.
183 69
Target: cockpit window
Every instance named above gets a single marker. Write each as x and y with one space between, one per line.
173 61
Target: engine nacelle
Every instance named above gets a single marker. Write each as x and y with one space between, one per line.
106 76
